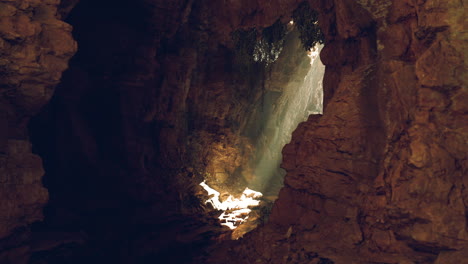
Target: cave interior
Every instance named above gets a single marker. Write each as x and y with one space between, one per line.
346 120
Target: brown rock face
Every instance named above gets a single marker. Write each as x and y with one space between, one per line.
35 48
381 176
22 193
154 101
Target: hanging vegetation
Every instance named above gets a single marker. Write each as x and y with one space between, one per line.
268 48
263 48
306 21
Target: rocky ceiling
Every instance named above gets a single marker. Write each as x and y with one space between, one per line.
128 104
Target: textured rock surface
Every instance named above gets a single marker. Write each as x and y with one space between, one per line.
35 48
381 176
152 99
21 193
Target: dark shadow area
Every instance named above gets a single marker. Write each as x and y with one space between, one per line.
130 131
95 161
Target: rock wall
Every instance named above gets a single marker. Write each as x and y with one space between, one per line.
152 100
151 103
381 176
35 47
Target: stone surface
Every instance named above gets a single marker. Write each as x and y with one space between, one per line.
380 177
153 101
35 48
21 191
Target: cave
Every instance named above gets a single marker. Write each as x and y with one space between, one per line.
119 117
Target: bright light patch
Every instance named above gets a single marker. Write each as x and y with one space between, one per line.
313 54
235 210
291 22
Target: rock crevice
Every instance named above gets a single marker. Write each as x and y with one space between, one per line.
153 102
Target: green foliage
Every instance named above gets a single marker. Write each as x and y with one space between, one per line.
262 48
306 21
269 47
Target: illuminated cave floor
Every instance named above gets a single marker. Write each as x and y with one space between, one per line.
241 213
258 216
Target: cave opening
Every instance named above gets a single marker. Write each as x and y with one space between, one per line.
161 96
293 91
287 74
140 120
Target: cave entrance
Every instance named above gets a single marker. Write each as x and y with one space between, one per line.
127 136
291 92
